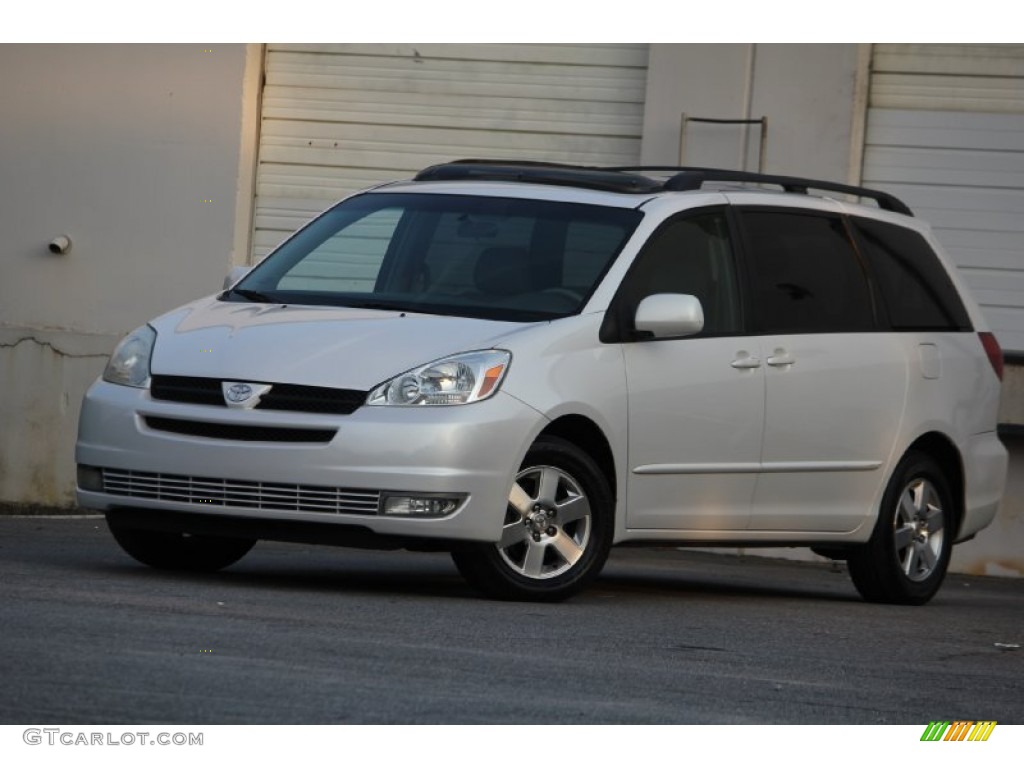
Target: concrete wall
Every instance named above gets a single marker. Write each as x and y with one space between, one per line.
143 155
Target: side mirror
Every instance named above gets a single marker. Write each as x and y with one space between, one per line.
236 274
670 315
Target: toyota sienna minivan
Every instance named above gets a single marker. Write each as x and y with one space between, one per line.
525 364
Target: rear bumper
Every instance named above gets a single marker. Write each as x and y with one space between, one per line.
985 465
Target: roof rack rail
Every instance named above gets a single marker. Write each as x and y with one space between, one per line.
691 178
633 179
588 177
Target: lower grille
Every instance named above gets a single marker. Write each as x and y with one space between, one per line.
239 493
247 432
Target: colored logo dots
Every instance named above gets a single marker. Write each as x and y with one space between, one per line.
961 730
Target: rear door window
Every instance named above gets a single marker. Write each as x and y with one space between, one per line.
806 274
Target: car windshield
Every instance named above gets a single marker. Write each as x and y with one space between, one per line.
465 255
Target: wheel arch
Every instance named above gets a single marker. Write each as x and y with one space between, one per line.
944 451
589 438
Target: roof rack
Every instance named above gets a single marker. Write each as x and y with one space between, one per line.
690 178
634 179
588 177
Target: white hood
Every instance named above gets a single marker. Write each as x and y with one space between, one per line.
318 346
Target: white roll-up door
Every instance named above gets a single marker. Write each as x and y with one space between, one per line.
945 132
338 118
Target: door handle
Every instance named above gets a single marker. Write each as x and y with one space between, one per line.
780 358
745 361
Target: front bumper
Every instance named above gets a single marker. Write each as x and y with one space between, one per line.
470 452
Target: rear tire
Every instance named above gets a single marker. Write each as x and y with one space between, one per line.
179 551
557 531
905 560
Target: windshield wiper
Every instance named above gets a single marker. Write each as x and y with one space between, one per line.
386 306
245 293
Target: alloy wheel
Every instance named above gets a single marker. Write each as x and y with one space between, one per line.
919 529
547 525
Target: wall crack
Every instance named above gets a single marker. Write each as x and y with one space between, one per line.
50 345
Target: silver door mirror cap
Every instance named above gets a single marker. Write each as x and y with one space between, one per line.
670 315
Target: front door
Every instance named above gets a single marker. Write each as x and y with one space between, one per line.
696 405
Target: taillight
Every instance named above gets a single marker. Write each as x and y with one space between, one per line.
995 354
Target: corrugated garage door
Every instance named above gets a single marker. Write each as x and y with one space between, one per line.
946 133
337 118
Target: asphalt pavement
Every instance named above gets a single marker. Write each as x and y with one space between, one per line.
304 634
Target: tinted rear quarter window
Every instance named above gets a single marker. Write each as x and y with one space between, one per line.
807 277
916 291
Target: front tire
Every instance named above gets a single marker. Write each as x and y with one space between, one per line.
179 551
906 558
557 530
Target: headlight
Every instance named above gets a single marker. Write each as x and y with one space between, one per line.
454 380
129 365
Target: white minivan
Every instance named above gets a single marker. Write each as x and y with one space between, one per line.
525 364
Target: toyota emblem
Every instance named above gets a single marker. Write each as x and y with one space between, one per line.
240 394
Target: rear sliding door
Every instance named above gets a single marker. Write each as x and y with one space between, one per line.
835 383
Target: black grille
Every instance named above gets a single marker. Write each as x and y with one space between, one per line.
293 397
186 389
241 431
281 397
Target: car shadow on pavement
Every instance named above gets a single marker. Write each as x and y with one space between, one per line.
642 575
